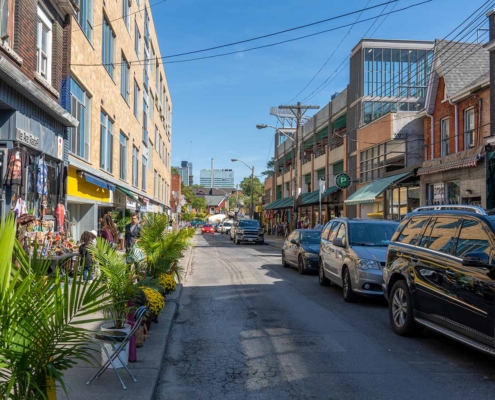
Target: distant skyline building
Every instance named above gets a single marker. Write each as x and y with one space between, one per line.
223 178
186 173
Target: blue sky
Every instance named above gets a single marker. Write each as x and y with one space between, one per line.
218 102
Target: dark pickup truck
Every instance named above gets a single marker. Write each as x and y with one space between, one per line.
249 230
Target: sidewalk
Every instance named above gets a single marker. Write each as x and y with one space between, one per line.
146 369
275 241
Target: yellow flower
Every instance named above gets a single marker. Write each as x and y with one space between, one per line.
167 282
155 300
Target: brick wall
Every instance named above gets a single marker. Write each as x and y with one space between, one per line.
443 109
176 186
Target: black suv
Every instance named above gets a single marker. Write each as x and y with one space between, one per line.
440 274
249 230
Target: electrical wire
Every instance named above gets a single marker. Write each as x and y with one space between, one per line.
140 62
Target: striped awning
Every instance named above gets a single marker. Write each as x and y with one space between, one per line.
465 162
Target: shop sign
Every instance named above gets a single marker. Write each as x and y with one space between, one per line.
27 138
60 142
343 180
438 193
130 204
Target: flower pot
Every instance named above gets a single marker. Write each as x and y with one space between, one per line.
124 354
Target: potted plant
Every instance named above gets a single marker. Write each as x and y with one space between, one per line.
42 319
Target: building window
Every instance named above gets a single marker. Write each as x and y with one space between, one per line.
136 100
106 142
123 157
85 17
135 177
80 107
144 170
108 47
445 137
124 78
44 45
126 13
468 128
137 40
376 161
145 119
6 23
152 105
154 183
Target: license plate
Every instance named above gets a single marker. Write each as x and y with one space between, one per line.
250 240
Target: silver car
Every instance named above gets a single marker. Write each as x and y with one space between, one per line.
353 253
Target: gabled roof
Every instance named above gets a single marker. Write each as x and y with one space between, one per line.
214 201
462 65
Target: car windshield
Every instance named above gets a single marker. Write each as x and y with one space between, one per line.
371 234
310 237
227 224
250 223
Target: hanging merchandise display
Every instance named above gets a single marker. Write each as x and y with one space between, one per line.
17 160
60 215
41 184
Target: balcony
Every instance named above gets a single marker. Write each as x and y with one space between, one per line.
336 141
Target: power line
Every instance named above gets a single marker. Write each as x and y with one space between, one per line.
252 48
331 55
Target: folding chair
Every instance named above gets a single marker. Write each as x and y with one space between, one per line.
121 338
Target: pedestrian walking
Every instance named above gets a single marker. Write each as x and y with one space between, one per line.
109 230
132 231
85 259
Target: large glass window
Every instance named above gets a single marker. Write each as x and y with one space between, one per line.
137 41
452 192
445 137
135 176
106 142
468 128
125 76
126 13
80 107
371 234
4 18
44 45
108 47
123 157
385 157
144 172
137 99
85 17
155 176
145 119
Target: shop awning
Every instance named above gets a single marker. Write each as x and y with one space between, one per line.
310 198
370 192
128 193
98 182
286 202
329 191
270 205
464 162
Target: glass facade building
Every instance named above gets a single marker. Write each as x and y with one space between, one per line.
394 80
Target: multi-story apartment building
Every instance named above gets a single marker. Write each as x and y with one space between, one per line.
34 121
222 178
186 173
120 152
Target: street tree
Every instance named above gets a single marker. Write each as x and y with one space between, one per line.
270 165
259 188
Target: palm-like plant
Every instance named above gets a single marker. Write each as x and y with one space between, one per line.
41 319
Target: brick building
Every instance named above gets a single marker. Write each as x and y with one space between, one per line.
456 124
120 154
176 194
34 101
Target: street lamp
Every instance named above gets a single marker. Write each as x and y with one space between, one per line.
263 126
252 184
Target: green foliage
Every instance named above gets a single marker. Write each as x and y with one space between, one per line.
187 216
40 320
175 171
270 165
198 203
121 220
259 188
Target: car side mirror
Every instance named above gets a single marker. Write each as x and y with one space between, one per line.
475 259
338 242
293 241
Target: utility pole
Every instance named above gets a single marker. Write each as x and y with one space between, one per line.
298 111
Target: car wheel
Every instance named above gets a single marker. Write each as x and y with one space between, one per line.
300 266
322 279
349 295
284 261
401 312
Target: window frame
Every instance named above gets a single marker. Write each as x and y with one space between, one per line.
7 29
137 99
137 40
106 140
135 167
123 157
144 173
84 17
108 39
125 78
43 20
468 132
87 121
444 142
126 14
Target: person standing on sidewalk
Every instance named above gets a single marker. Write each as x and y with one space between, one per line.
85 259
132 231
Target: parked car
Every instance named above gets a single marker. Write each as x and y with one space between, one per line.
216 226
233 228
301 249
227 226
207 228
440 273
248 230
353 253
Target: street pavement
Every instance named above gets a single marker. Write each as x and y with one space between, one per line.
249 329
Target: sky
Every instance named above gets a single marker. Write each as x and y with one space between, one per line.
218 102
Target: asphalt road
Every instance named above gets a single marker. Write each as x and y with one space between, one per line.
250 329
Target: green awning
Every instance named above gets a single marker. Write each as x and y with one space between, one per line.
286 202
128 193
338 167
308 144
307 178
369 193
270 205
320 173
329 191
322 135
339 123
311 198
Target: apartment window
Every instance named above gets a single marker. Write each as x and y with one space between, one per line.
145 119
123 157
108 47
444 128
376 161
159 183
126 13
152 105
106 142
156 137
6 23
44 45
144 170
135 166
157 77
137 40
85 17
154 183
80 107
125 77
469 128
160 148
136 99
